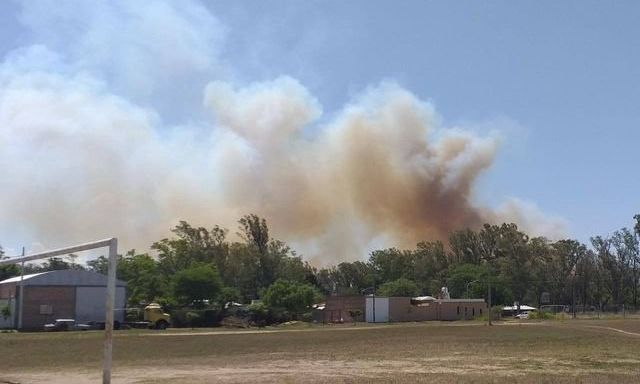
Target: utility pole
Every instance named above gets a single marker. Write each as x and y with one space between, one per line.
573 292
573 298
374 303
20 298
489 298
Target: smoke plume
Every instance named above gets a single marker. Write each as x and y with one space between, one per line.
86 153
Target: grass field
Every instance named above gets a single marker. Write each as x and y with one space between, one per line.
578 351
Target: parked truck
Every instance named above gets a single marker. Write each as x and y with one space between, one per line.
151 317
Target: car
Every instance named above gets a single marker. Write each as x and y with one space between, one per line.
66 325
523 315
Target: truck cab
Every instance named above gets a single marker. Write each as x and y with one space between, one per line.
156 318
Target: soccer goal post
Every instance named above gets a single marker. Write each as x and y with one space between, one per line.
112 244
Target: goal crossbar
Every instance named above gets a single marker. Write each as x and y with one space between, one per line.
112 243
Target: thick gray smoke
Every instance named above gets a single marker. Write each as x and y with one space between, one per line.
82 157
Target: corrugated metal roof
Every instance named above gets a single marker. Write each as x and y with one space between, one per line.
462 300
64 277
522 308
17 278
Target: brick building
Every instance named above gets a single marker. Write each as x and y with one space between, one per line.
406 309
337 309
79 295
398 309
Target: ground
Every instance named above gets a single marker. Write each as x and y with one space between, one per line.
572 351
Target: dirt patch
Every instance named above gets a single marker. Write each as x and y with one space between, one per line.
318 371
614 330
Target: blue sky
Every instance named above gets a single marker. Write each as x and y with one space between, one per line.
565 74
559 81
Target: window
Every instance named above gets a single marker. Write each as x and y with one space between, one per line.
46 309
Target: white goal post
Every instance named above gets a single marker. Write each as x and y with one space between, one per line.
112 243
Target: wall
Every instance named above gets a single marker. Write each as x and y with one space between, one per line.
90 304
7 290
61 299
337 308
462 310
401 309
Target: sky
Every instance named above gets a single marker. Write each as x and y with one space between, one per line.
555 85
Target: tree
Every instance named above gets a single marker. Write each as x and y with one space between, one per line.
429 266
7 271
254 231
196 284
465 247
460 277
401 287
192 245
607 275
391 264
289 296
627 249
145 283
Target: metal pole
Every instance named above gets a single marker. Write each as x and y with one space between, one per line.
573 298
108 324
374 303
21 293
489 298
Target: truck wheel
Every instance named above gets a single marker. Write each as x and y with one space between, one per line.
161 324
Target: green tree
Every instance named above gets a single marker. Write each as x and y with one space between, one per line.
391 264
254 231
472 276
429 266
145 282
401 287
7 271
196 284
289 296
192 245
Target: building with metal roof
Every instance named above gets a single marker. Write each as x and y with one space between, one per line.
76 294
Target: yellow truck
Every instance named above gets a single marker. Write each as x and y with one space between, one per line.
152 317
155 317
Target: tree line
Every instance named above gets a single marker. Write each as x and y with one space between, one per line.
202 268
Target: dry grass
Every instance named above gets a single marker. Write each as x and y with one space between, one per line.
578 351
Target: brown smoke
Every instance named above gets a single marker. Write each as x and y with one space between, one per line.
382 170
381 173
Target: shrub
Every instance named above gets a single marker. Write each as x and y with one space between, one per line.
259 314
193 318
541 315
287 299
5 311
355 314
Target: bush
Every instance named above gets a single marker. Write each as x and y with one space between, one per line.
259 314
5 312
354 314
193 318
287 299
541 315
